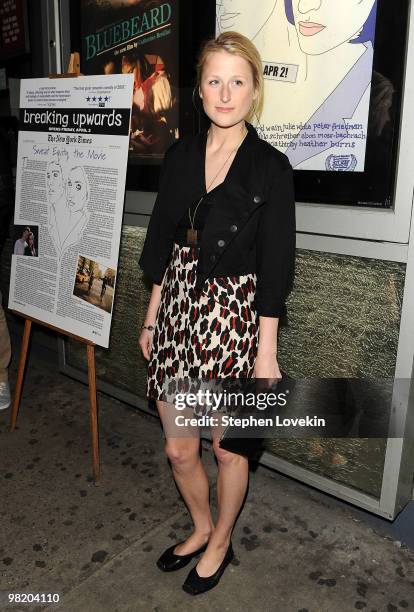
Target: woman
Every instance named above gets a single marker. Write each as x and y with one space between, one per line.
30 249
220 250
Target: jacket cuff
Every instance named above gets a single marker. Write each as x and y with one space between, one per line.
146 270
267 310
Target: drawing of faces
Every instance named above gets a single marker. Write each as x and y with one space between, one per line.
244 15
322 25
55 183
77 189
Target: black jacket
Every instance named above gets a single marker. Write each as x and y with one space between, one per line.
250 226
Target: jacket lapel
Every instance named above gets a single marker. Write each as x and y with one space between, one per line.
239 193
187 180
242 190
239 196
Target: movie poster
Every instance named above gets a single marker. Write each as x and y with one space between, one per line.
70 188
138 37
318 66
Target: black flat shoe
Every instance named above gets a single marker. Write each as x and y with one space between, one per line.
195 584
169 561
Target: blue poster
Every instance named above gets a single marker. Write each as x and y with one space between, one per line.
317 64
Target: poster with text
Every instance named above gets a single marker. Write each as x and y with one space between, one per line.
138 37
70 187
317 66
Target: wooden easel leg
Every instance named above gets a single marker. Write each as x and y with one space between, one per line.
93 411
20 373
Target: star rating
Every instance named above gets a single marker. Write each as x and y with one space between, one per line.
98 98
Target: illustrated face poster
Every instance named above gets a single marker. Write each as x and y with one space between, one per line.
317 64
138 37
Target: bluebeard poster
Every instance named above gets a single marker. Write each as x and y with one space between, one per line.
138 37
318 66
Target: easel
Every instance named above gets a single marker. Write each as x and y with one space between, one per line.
73 68
73 71
90 350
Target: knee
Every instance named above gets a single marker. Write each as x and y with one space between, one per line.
226 457
181 454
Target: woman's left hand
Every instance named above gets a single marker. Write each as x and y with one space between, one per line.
267 367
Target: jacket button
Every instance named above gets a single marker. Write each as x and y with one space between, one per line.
212 258
221 243
257 199
233 228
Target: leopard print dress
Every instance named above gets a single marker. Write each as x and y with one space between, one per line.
211 334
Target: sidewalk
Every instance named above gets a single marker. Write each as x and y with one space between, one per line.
296 549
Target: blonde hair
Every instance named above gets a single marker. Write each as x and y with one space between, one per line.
236 44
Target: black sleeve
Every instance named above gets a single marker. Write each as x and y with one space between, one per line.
151 259
276 245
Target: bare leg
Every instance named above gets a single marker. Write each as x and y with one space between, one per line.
232 481
190 477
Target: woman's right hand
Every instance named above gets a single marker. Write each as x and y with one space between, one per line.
145 339
145 342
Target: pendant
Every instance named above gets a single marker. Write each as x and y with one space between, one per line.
192 237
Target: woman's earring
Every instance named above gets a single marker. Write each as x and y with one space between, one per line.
256 106
253 107
196 106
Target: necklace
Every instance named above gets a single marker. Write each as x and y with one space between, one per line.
192 233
